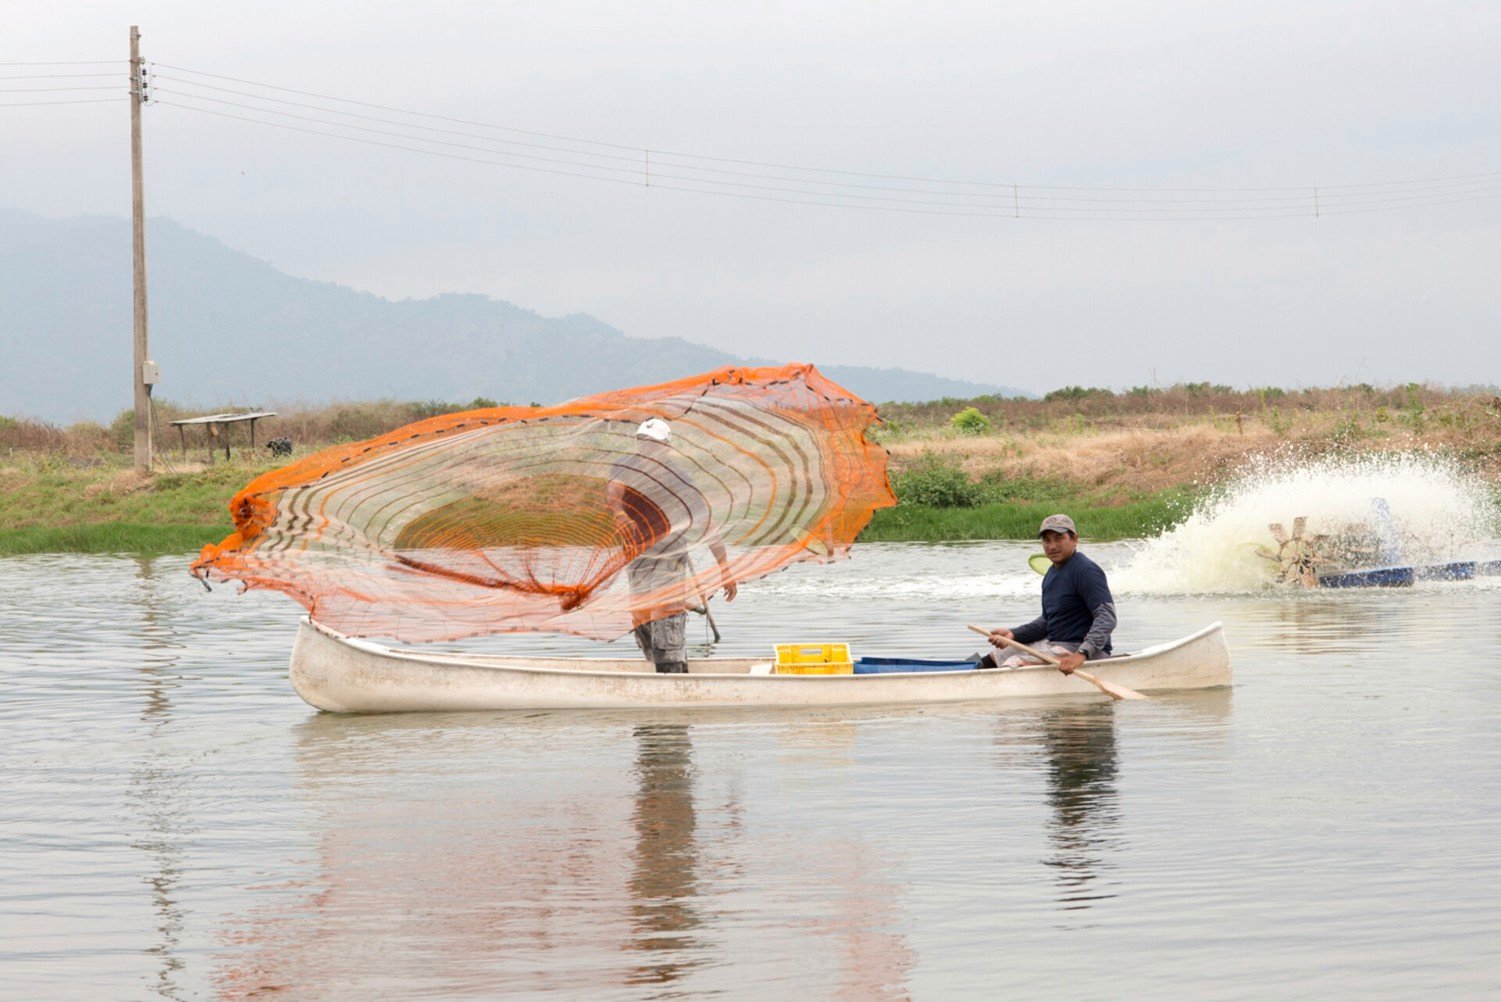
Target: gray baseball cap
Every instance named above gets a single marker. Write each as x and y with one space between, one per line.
1057 523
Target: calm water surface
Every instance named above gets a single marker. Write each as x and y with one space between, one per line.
176 823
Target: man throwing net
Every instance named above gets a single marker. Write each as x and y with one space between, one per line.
659 511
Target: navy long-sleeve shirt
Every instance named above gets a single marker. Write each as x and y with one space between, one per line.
1077 608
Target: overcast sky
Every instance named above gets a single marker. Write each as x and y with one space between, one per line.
1066 100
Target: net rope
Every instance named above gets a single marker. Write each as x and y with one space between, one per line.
514 519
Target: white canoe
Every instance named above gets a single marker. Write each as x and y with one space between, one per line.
346 675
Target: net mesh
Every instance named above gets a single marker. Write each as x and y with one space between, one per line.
524 518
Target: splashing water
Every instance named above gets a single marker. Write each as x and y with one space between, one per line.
1438 512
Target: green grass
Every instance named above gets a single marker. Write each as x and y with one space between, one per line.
112 537
921 523
904 523
51 507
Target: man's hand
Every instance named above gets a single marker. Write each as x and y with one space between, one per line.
1000 638
1069 662
716 547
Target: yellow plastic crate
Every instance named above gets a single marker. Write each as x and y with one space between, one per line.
814 659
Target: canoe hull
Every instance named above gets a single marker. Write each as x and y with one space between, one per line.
344 675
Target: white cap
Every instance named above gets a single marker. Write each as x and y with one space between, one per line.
655 429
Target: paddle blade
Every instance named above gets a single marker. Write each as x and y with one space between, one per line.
1121 692
1109 688
1039 562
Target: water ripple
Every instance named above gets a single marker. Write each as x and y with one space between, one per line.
176 824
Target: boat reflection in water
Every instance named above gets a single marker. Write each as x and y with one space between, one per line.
582 855
842 934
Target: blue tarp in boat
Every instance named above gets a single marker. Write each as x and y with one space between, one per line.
883 666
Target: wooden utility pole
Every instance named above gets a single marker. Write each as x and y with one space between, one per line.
138 221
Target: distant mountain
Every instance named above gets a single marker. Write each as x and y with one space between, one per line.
229 329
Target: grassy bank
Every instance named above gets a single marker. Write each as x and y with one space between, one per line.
904 523
918 522
1123 464
51 504
55 507
113 537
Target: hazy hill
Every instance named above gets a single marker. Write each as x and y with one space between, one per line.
228 328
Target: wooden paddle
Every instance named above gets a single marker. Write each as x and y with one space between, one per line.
1108 688
703 610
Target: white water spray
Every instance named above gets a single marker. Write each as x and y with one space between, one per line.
1438 512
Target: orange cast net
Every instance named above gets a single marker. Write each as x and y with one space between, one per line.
563 518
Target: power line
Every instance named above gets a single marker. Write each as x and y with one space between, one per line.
1295 191
54 76
631 172
1445 192
453 138
633 158
542 170
372 142
82 100
639 159
76 62
1144 204
402 111
57 90
284 114
1222 215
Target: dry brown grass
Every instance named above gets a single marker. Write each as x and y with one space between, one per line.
1121 457
1115 446
1136 460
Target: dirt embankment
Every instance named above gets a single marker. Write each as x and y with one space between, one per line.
1119 454
1129 462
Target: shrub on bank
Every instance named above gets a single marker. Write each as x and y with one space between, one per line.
936 484
1184 399
122 430
30 436
970 422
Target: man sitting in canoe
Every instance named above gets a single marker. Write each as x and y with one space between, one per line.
1078 612
659 511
